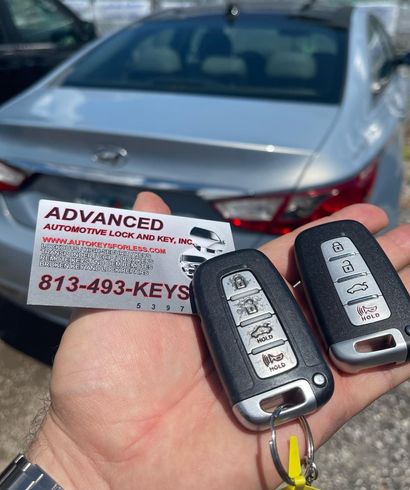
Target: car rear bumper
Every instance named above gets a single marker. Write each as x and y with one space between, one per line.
16 247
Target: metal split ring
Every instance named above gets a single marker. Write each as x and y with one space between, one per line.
311 471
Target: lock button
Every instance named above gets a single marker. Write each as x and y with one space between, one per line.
240 284
337 248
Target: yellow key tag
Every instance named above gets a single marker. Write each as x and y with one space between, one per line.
295 468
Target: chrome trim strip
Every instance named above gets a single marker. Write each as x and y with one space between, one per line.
234 145
127 179
348 359
252 416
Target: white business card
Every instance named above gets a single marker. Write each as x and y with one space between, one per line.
98 257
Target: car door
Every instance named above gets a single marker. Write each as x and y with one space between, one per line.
10 64
386 84
41 34
383 131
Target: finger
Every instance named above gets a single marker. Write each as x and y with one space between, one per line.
396 245
145 201
405 277
280 250
150 202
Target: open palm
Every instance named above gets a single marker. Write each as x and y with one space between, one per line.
136 402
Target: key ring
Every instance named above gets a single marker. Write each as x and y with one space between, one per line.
311 471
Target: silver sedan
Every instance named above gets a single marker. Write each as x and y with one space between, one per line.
266 117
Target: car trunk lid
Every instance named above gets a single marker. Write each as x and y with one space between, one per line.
193 145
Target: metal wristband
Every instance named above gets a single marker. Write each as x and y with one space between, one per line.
20 474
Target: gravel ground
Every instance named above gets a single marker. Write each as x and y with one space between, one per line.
23 389
371 452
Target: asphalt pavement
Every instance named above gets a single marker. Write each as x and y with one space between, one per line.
27 348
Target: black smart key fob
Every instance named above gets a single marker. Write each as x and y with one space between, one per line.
259 339
360 303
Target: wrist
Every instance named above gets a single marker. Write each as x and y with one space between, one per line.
62 459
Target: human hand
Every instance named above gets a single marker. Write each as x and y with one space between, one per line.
136 402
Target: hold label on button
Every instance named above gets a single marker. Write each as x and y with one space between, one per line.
274 361
368 312
261 333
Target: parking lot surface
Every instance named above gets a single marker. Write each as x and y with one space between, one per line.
24 388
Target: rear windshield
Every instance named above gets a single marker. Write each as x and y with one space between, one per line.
258 56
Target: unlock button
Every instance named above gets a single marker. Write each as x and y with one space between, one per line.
249 309
346 267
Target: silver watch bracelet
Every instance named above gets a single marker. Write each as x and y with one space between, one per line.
20 474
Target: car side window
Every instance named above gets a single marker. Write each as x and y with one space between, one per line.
2 36
381 56
41 21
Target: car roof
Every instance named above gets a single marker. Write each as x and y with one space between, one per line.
324 12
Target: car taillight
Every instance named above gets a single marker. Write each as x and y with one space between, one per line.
281 213
10 177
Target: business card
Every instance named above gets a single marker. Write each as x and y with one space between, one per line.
98 257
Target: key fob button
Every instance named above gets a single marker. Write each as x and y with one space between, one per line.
356 288
345 267
239 284
273 361
249 309
259 339
370 311
362 306
257 335
338 247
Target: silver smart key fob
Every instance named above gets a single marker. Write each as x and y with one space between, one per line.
360 303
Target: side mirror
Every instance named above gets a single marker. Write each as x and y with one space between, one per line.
384 75
406 59
87 31
403 59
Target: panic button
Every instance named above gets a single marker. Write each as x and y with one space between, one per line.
368 311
